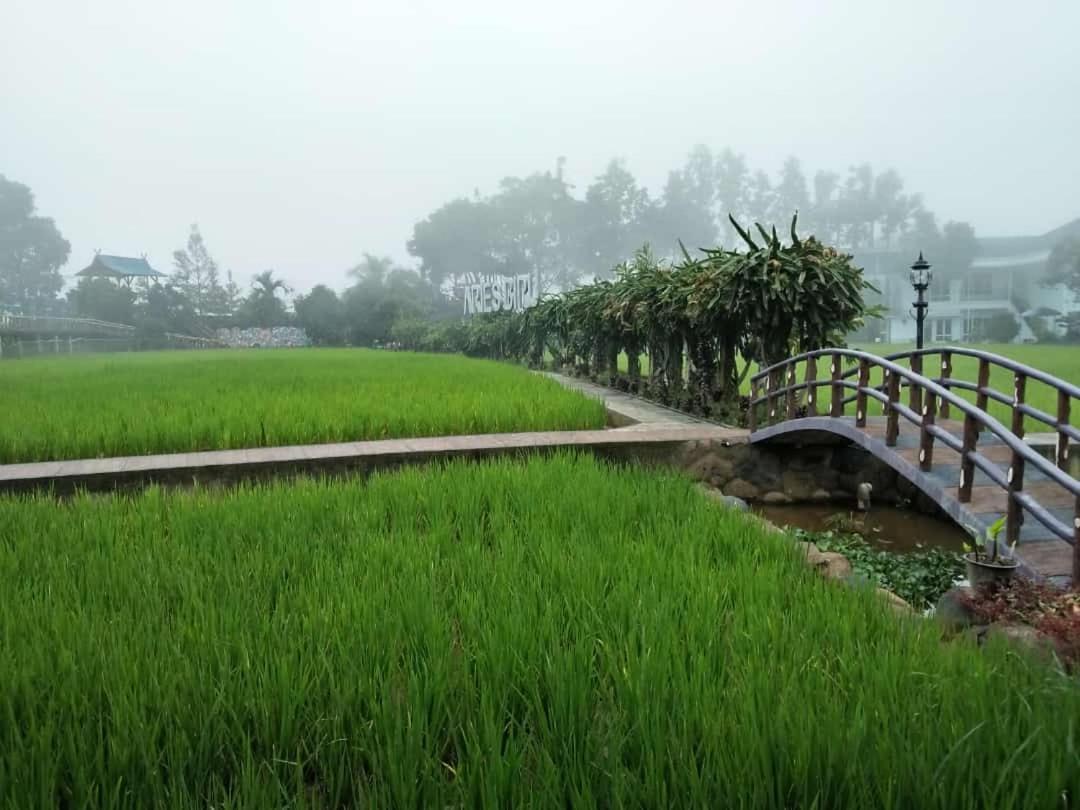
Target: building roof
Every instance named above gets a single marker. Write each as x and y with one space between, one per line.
1020 245
106 266
1038 257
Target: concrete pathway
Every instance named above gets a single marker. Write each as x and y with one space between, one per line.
626 409
644 442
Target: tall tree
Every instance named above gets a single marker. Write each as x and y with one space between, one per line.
263 307
958 246
732 177
455 240
791 193
537 227
617 215
321 315
760 198
685 213
102 299
1063 265
197 276
32 251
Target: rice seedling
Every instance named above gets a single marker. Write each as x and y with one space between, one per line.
133 404
544 632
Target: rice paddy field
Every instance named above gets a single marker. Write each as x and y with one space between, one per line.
161 402
550 632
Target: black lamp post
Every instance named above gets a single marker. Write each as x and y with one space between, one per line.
921 276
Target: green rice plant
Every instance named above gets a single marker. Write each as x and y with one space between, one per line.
549 632
133 404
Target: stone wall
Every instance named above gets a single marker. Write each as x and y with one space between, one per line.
276 337
781 474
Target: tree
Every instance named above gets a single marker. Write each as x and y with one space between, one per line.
616 214
455 240
791 192
262 307
32 251
537 229
732 176
685 213
103 300
958 247
321 315
383 295
1063 264
197 276
1002 327
167 309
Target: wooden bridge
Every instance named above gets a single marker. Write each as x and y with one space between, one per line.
949 446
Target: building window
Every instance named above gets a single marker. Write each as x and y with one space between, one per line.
942 329
979 287
939 288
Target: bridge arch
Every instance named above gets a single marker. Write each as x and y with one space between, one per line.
974 466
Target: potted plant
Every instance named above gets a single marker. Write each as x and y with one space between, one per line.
989 560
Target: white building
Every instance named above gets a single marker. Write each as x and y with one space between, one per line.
1004 277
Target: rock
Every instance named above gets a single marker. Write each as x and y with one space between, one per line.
898 605
953 611
833 566
775 498
738 504
727 501
799 484
827 563
1024 637
741 488
820 496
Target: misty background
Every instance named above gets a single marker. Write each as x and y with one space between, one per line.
299 136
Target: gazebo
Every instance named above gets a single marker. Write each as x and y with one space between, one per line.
122 268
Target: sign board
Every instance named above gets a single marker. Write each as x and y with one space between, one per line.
500 294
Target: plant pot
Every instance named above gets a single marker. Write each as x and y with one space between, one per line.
984 572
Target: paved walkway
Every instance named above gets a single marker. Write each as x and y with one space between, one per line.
627 409
218 465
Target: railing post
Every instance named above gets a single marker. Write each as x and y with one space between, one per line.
1076 544
772 383
792 379
811 390
1015 515
1016 468
915 390
836 407
751 408
1019 395
926 440
967 465
946 376
982 384
860 392
1064 402
892 418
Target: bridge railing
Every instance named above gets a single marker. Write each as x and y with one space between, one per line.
778 391
49 325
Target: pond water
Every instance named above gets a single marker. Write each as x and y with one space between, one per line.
888 528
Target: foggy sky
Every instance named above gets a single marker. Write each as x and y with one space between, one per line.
301 134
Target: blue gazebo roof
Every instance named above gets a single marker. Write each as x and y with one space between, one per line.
107 266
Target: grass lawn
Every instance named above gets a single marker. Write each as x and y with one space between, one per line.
554 632
133 404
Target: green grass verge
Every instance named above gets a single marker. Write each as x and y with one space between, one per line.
133 404
548 633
